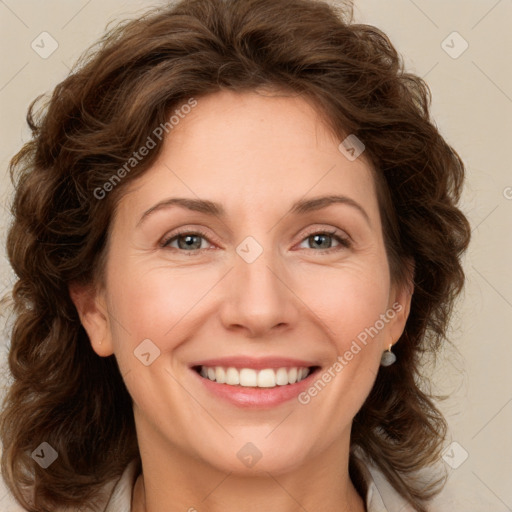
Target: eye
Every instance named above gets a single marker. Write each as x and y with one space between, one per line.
189 241
192 241
324 240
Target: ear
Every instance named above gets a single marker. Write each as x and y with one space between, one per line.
92 310
400 303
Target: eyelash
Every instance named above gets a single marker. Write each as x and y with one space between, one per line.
344 241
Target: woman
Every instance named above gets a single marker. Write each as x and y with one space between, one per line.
236 234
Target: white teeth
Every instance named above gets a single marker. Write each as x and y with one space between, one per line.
282 377
266 378
232 377
248 377
220 375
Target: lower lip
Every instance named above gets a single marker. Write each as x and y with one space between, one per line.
252 397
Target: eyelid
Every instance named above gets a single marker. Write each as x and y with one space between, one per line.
331 230
344 238
186 231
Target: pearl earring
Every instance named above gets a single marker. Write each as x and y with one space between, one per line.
388 358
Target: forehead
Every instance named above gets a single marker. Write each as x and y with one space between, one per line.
253 149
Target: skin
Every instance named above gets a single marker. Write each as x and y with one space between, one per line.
255 155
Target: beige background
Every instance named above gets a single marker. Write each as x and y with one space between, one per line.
472 106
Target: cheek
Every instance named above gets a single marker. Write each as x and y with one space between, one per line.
153 313
348 300
155 303
351 306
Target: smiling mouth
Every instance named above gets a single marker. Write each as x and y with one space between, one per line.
251 378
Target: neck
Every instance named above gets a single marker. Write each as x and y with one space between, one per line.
177 482
150 502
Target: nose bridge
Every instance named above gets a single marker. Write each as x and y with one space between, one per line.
256 275
253 271
258 298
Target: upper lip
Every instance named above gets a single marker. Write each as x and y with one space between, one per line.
257 363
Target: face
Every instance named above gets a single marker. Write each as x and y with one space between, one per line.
249 270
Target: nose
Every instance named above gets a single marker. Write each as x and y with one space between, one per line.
258 297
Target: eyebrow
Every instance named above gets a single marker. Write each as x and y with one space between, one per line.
211 208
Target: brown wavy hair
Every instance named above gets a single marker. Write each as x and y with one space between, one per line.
119 91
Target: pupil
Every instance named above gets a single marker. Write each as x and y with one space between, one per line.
189 242
317 238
